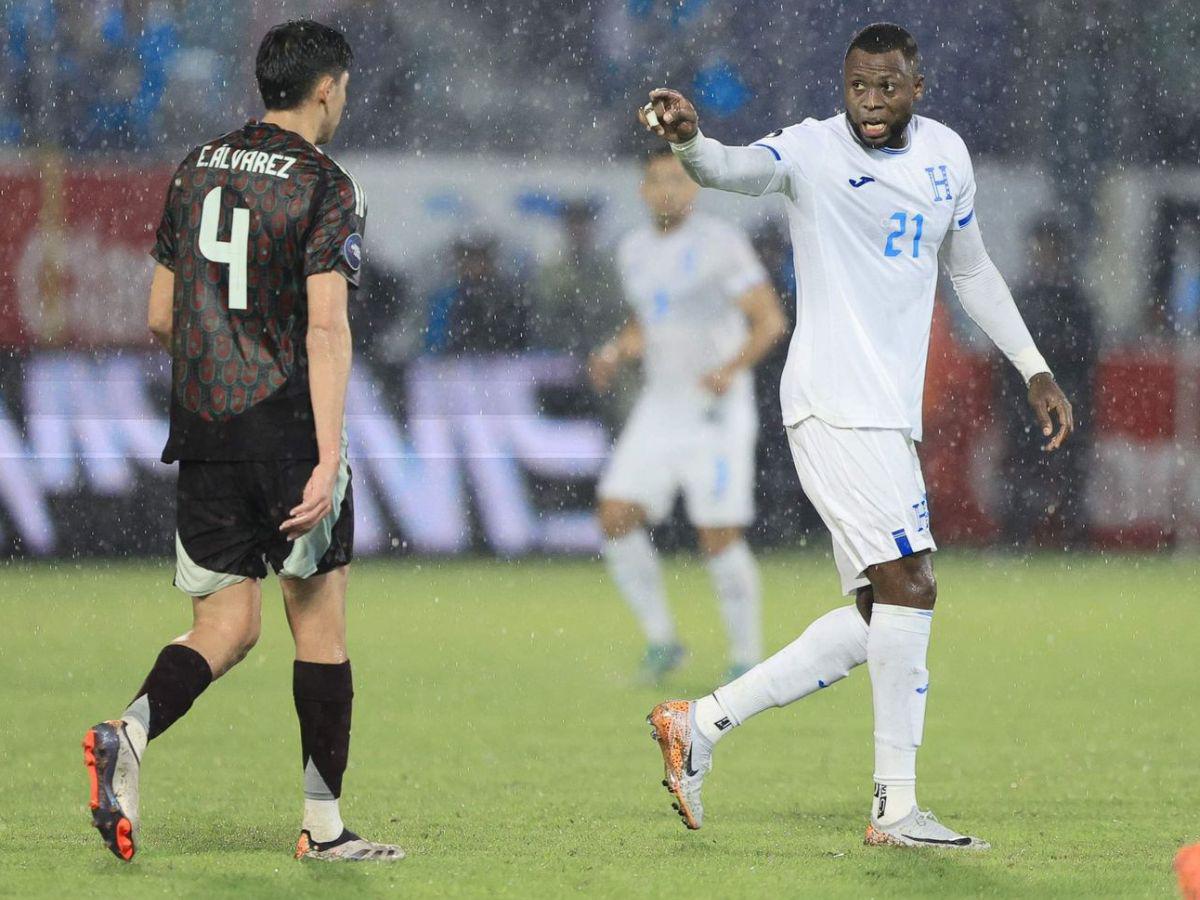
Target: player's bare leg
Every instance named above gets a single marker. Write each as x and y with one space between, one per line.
225 626
901 613
735 579
323 689
633 565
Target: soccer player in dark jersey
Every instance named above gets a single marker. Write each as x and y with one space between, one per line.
260 242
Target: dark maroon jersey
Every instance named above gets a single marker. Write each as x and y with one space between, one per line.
248 218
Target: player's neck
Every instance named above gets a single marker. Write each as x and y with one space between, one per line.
667 224
301 121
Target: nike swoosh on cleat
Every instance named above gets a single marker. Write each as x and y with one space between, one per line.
866 179
922 690
957 842
691 773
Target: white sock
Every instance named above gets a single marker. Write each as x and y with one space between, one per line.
826 652
633 564
896 651
323 820
137 735
739 593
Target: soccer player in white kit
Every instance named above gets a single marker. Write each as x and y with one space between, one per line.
872 195
703 313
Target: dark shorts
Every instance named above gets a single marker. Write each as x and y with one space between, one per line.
228 516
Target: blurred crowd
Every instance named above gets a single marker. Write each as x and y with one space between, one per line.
1074 88
1114 80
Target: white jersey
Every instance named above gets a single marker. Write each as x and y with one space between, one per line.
866 226
683 285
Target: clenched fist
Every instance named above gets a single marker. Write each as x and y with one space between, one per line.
670 115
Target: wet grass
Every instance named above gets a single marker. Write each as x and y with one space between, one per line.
497 737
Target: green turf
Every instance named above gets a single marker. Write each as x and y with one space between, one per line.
497 738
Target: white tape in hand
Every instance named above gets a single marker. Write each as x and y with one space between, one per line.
651 118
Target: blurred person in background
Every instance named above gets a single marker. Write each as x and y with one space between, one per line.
576 297
1038 487
480 310
704 314
576 294
1183 282
381 323
778 514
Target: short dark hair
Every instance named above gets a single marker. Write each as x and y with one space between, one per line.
293 56
883 37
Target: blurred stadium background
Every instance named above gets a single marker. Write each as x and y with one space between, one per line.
497 146
500 157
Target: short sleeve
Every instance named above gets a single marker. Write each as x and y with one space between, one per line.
964 199
745 270
166 239
335 239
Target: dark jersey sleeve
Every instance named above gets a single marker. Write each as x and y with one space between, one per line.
335 240
167 236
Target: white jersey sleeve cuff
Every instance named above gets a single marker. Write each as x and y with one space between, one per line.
1030 362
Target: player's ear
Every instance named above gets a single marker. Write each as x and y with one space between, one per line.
325 87
918 87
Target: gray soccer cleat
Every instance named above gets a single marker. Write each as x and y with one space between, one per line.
920 829
347 848
684 762
113 769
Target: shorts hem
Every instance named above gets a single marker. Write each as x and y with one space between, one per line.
861 580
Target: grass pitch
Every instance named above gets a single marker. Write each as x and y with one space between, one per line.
497 738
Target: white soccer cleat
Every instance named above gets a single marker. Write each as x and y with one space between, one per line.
920 829
347 848
685 761
113 770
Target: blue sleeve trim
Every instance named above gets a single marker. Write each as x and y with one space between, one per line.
774 152
966 220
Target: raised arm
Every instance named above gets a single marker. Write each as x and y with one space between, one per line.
985 296
751 170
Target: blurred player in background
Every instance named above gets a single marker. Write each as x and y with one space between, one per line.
703 314
872 194
260 241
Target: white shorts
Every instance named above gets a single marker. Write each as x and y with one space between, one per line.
710 460
866 483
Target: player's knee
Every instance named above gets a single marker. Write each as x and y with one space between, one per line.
864 599
921 588
715 541
240 635
617 519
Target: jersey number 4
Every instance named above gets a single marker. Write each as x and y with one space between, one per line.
231 252
901 220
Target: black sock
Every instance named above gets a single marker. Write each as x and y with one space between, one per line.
324 693
179 676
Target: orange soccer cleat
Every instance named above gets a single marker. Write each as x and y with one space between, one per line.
685 760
